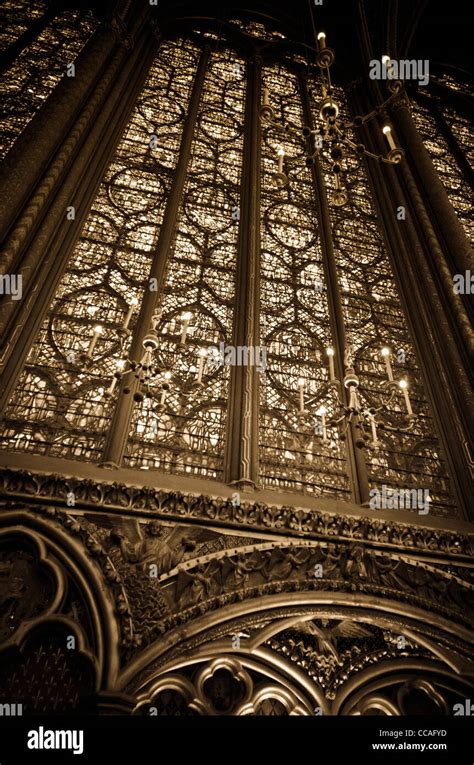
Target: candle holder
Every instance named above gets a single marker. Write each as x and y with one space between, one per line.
281 180
325 56
152 375
396 155
349 412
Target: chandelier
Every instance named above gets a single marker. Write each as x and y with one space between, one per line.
153 375
332 131
366 421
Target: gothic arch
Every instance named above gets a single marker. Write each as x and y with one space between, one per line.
58 593
183 655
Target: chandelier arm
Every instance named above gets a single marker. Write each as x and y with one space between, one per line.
378 157
385 403
375 112
406 429
340 419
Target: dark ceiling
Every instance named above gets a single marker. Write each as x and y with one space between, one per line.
423 29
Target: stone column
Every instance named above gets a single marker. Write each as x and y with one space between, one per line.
27 161
446 219
241 466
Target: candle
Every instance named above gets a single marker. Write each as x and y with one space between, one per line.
281 154
322 413
131 308
301 384
120 363
387 62
330 353
322 40
388 366
373 428
186 318
404 385
202 361
387 131
98 330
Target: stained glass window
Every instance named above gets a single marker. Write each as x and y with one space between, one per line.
62 394
67 394
39 67
451 175
16 17
409 453
294 313
188 436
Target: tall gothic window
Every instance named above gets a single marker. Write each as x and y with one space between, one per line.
167 233
40 65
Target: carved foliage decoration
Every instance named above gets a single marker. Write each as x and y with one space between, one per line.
177 506
194 573
173 574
